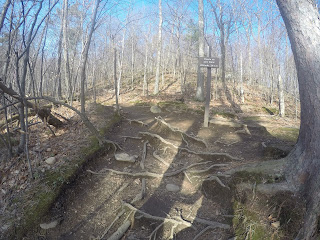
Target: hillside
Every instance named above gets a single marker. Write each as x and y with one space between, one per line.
163 186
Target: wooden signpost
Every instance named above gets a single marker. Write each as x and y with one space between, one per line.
209 63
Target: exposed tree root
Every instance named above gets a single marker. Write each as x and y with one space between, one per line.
222 157
160 159
153 235
215 178
136 138
121 231
137 121
179 221
147 174
113 222
135 175
184 136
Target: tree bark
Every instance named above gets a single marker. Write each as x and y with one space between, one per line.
200 80
4 12
156 84
67 71
84 55
302 21
281 97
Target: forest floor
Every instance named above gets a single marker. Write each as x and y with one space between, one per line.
170 153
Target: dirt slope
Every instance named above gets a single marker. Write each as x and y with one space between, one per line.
189 210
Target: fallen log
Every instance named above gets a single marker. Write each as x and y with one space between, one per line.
43 112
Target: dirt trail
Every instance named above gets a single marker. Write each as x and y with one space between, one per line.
189 210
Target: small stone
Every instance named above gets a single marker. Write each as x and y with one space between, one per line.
16 172
49 225
276 224
155 109
172 187
49 149
50 160
124 157
5 227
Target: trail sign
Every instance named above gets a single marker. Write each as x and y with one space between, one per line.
209 62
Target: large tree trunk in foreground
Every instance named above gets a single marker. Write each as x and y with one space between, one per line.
302 21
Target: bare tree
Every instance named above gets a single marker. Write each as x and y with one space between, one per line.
159 51
200 80
84 54
4 12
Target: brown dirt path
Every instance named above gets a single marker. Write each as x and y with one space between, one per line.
92 202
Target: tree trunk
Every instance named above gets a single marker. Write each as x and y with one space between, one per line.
281 97
84 56
156 84
302 21
58 76
200 80
4 12
241 80
66 51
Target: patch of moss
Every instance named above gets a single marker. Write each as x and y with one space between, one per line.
247 224
53 183
255 177
252 118
245 176
140 103
285 133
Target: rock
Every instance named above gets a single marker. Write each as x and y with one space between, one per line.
155 109
50 160
124 157
5 227
172 187
49 225
49 149
276 224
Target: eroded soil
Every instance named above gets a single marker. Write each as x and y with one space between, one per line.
90 206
